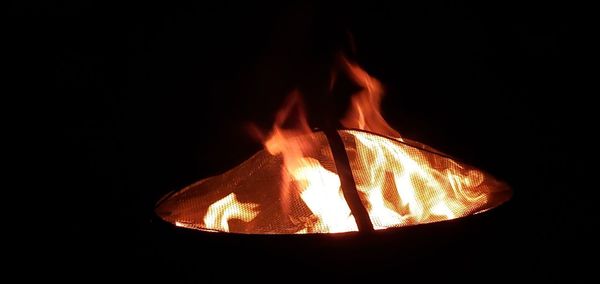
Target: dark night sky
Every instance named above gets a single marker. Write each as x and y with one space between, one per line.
147 98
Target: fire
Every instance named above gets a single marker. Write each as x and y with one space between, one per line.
295 186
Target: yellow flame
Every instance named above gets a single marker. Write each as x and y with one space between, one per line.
426 193
228 208
322 193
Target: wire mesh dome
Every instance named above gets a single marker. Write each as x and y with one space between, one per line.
340 181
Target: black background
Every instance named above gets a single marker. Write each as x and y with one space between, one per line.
147 98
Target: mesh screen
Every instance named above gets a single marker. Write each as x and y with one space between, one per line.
402 184
261 196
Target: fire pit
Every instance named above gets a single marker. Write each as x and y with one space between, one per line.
361 177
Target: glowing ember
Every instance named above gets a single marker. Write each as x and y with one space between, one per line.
293 185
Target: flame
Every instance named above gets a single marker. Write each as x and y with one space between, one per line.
228 208
318 187
365 106
322 194
281 142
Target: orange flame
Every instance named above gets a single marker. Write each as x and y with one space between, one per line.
318 188
365 106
